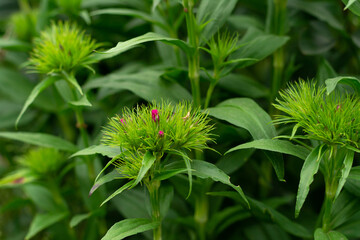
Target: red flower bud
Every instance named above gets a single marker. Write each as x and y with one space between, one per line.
155 115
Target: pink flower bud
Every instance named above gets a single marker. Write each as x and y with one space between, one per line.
155 115
161 133
122 121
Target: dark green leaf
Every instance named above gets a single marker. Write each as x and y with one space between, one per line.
207 170
104 179
40 139
214 13
351 81
129 227
41 86
43 221
331 235
281 146
148 37
100 149
75 220
14 45
354 8
309 169
348 160
120 190
147 163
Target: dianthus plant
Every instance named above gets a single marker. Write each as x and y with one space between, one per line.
331 119
147 137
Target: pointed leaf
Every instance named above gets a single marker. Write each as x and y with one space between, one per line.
14 45
75 220
146 164
100 149
18 178
41 139
41 86
331 235
148 37
72 80
43 221
309 169
207 170
82 102
120 190
129 227
351 81
281 146
104 179
348 160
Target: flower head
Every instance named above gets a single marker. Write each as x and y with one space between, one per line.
146 132
155 115
333 119
62 47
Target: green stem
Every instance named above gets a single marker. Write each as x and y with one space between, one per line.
153 187
194 58
201 214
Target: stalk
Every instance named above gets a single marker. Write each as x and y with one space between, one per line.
278 28
153 188
201 214
331 185
210 90
194 58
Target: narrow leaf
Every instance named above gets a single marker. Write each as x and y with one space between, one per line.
100 149
40 139
350 2
146 164
72 80
348 160
43 221
331 235
351 81
309 169
82 102
75 220
148 37
281 146
207 170
14 45
41 86
120 190
129 227
104 179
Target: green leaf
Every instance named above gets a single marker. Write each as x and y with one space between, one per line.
43 221
350 2
41 86
72 81
325 11
14 45
331 235
281 146
41 139
257 45
129 12
166 174
245 113
129 227
354 7
207 170
148 37
120 190
348 161
353 181
82 102
18 178
100 149
309 169
75 220
351 81
214 14
243 86
146 84
146 164
104 179
166 195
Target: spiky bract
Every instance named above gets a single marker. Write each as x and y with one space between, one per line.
42 161
62 47
159 128
333 119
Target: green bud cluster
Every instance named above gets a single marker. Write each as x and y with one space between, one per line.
158 128
62 48
333 119
42 161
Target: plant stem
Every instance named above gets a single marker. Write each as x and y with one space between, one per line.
194 58
153 188
201 214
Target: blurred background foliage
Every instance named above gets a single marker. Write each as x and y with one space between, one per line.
283 40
